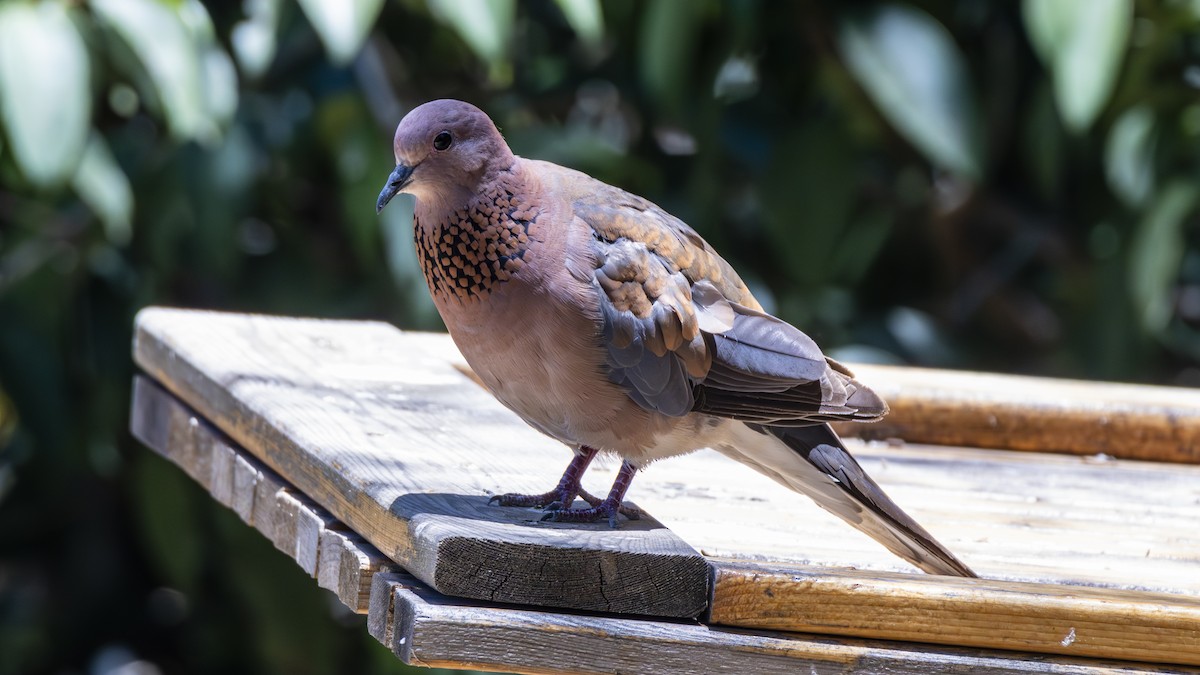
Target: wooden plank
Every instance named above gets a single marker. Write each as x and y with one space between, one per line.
347 566
1021 516
340 560
1126 625
389 440
426 629
1011 515
433 630
1035 413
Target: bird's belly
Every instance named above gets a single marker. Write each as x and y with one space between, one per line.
544 364
550 368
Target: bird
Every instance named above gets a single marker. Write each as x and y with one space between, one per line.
610 325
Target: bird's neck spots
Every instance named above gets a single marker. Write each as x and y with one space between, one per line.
468 253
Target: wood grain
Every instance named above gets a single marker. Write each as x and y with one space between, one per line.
402 448
1020 516
426 629
1075 621
429 629
1034 413
340 560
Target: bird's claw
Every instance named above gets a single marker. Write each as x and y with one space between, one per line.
554 499
603 510
630 512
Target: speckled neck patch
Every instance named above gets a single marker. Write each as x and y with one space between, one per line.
478 247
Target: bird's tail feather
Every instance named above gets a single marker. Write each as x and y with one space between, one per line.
813 461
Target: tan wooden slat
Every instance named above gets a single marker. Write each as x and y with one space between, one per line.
424 628
1035 413
1021 516
1077 621
404 450
439 631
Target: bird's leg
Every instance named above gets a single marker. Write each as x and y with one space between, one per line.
630 512
608 508
560 497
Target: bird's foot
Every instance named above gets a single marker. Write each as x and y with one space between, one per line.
554 499
606 509
630 512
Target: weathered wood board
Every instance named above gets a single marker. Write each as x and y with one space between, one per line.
325 549
405 450
425 628
1051 519
1039 618
1035 413
1020 516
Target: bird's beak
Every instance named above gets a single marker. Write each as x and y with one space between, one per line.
400 177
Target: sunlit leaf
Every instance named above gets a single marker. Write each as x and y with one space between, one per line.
1157 251
102 185
342 25
220 85
156 34
1129 155
485 25
253 40
738 79
1081 43
217 74
910 67
585 18
45 99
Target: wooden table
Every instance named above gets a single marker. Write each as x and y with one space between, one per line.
368 455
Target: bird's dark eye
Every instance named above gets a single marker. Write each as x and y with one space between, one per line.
442 140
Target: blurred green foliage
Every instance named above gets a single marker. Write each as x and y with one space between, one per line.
1008 186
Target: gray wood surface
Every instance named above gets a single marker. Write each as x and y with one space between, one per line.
339 559
427 629
1012 515
401 447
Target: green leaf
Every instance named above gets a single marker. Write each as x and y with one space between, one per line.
217 74
585 18
485 25
666 45
910 67
342 25
253 40
1081 43
1157 252
45 97
1129 155
156 34
102 185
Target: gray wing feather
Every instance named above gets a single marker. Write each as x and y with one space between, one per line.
682 337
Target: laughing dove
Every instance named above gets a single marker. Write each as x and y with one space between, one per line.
610 325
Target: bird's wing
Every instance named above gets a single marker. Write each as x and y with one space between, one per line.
684 334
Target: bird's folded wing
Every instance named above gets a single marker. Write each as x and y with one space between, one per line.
684 334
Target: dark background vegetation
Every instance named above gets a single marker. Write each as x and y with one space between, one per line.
990 185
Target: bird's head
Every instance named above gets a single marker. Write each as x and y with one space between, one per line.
443 147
